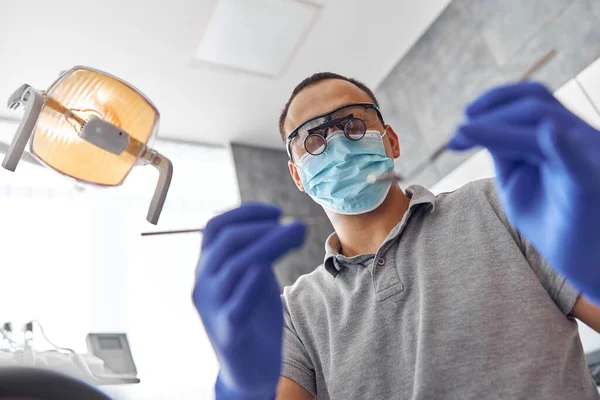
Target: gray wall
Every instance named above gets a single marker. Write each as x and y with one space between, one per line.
475 44
263 176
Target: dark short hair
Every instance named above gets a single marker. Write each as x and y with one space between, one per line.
315 78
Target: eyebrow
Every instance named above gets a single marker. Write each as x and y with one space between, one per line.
324 114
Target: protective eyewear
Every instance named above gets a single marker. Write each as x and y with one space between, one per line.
353 119
92 127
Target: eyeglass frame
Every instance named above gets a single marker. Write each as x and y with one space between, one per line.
34 100
295 132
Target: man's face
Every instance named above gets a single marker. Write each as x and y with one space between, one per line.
326 96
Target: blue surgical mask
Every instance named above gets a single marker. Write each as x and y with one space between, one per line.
337 178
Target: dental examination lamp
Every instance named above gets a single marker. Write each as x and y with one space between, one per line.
92 127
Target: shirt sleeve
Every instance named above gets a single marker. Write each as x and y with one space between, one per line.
561 292
297 365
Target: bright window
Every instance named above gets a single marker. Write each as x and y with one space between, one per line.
73 258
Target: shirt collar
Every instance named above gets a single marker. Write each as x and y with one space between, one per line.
332 262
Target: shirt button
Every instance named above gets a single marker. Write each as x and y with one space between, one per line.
381 262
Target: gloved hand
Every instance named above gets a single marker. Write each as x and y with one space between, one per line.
548 173
237 297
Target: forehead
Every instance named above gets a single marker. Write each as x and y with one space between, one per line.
320 98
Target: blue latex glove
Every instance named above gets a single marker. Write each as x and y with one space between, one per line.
237 297
548 173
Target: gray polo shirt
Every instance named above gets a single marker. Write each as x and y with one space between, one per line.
455 304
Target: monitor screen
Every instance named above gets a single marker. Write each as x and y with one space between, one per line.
109 342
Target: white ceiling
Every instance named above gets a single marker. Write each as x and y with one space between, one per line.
150 43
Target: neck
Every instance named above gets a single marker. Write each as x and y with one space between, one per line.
364 233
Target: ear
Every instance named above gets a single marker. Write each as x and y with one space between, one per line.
295 175
394 141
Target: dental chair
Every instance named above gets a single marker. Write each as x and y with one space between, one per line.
29 383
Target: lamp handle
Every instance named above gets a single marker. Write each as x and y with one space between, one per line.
165 173
33 102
